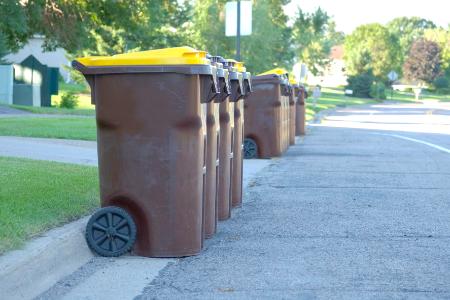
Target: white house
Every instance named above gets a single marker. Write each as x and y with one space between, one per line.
334 74
56 59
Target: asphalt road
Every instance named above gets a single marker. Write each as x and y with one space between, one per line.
359 210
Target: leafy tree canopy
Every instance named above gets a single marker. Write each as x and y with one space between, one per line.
408 29
267 47
441 37
13 26
207 29
372 48
93 26
314 35
423 62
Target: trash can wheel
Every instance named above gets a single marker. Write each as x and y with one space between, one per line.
250 148
111 231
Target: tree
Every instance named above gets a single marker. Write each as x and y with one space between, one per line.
360 84
423 62
408 30
269 46
122 25
441 37
92 27
13 27
207 30
313 36
372 48
266 48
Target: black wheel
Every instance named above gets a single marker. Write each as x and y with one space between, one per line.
111 231
250 148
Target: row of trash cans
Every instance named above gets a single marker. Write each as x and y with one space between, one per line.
274 114
171 132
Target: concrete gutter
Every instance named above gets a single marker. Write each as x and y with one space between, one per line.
27 272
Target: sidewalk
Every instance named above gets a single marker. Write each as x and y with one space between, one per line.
67 151
349 214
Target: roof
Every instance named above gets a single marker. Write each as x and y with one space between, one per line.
337 52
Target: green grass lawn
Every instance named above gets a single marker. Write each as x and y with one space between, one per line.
56 110
85 128
84 107
410 97
84 102
76 128
73 87
37 195
331 98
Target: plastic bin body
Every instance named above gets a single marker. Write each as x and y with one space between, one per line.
151 160
151 133
285 121
287 92
228 141
212 154
237 177
264 115
212 164
226 112
292 112
300 112
284 93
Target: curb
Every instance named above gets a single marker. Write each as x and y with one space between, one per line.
318 117
59 252
26 273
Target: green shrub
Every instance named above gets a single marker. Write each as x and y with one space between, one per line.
378 91
409 90
76 76
443 91
441 82
360 84
69 100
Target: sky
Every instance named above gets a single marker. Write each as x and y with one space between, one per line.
349 14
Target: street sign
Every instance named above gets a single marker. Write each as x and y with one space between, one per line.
303 72
231 18
393 76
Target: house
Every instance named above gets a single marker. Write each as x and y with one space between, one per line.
54 59
334 74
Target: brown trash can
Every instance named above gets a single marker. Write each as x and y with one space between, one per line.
151 133
266 129
300 114
293 98
286 117
240 95
212 151
226 145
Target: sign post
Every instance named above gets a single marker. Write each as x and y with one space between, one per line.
393 76
238 31
238 21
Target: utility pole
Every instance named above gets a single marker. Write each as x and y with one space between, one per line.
238 32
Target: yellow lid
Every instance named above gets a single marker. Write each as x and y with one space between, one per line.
292 81
168 56
238 65
276 71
